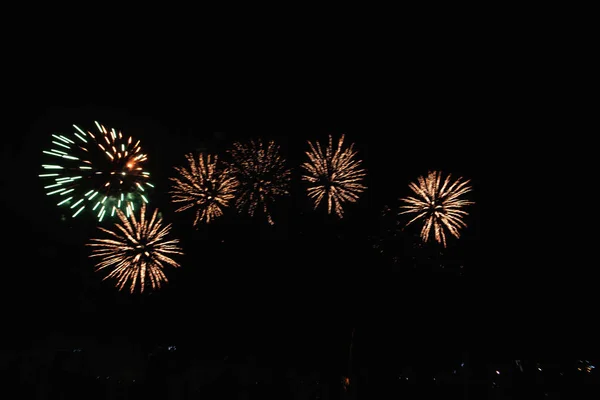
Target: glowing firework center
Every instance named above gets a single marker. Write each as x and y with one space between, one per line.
101 172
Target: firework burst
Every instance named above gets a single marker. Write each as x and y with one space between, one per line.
335 175
439 205
137 251
205 186
101 172
262 175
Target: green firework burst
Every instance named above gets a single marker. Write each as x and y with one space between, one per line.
96 172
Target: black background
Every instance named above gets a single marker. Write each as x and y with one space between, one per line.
282 293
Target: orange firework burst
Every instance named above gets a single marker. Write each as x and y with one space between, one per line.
262 175
205 186
333 174
438 205
137 251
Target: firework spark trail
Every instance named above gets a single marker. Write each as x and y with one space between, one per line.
262 175
137 251
101 172
438 204
205 186
346 378
335 175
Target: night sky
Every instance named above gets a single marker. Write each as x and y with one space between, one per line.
309 265
489 101
281 294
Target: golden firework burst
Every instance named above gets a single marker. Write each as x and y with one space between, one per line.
137 251
438 204
204 185
262 175
333 174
